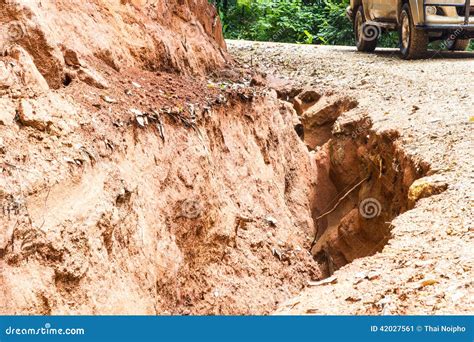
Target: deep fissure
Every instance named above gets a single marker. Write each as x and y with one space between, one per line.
362 178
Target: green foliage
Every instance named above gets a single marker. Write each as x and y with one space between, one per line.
333 26
293 21
389 39
309 38
265 20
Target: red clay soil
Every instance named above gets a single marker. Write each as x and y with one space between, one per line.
139 174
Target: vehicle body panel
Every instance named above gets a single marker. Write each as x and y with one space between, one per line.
384 9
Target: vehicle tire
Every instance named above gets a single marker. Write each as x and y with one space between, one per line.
458 44
413 42
366 36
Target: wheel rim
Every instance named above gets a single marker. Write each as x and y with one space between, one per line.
405 32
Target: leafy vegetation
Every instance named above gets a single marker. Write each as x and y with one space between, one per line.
292 21
265 20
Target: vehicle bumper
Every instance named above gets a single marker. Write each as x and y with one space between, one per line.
446 27
442 20
461 31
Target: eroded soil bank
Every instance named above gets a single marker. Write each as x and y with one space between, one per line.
141 171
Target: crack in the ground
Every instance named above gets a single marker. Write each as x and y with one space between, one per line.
362 181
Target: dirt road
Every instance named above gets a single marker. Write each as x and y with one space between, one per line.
427 267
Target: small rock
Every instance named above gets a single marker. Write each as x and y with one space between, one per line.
141 121
386 304
327 109
286 90
330 280
139 117
428 282
6 75
53 112
276 253
30 76
359 277
424 263
108 99
71 58
305 100
373 275
425 187
92 78
34 116
271 220
353 299
221 99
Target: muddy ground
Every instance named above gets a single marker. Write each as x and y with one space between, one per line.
426 267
